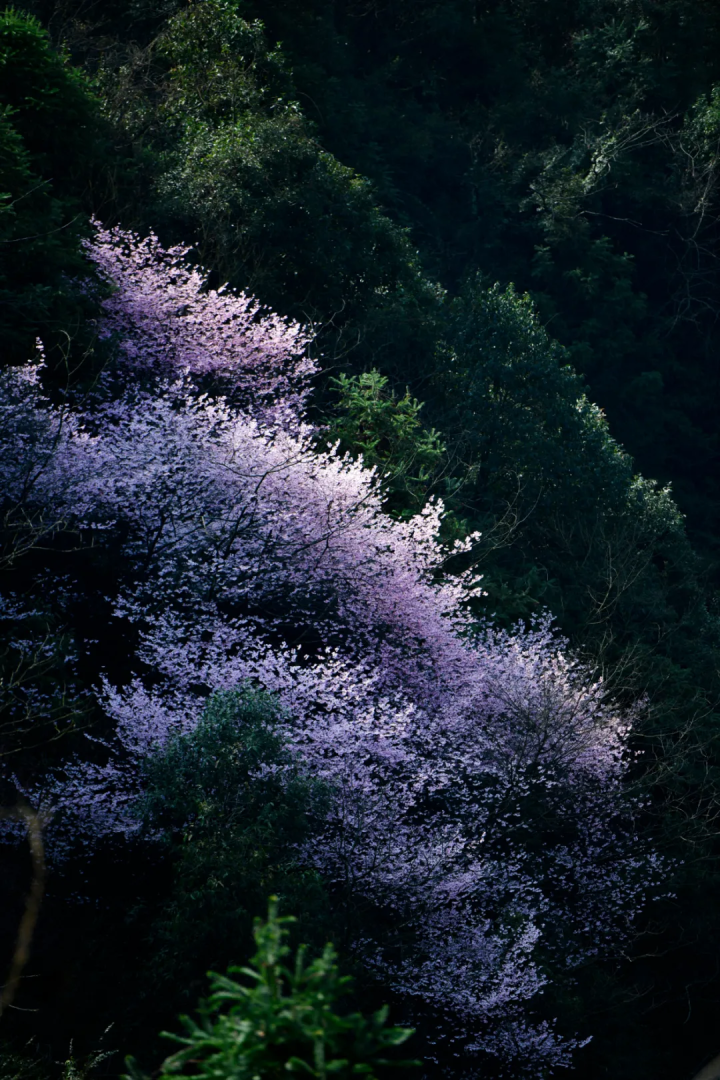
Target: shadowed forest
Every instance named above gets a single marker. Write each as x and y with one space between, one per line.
360 537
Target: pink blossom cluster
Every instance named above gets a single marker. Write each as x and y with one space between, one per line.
259 560
166 320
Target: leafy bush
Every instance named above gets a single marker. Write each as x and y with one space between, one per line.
386 429
232 808
286 1020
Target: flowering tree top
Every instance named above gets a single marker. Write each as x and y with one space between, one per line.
167 321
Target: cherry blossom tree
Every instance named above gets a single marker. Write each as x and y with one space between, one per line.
478 776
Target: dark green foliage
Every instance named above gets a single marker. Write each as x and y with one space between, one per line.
48 131
388 432
232 809
543 478
284 1021
519 409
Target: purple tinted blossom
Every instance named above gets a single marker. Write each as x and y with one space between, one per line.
168 322
258 560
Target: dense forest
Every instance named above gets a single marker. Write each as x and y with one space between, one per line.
360 538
